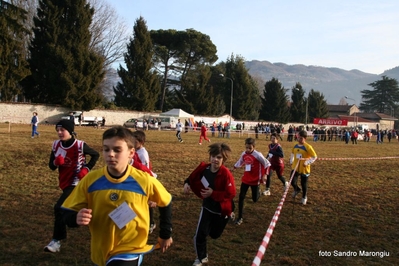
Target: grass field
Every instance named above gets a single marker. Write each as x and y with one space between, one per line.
352 204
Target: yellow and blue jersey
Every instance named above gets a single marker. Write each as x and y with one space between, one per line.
103 194
299 152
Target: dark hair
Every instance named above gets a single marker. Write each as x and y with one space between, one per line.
250 141
274 134
139 135
121 133
303 134
219 148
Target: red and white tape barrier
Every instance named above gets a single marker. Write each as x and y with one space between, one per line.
269 232
357 158
265 242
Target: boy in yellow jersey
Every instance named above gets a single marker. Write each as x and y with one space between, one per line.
306 155
113 202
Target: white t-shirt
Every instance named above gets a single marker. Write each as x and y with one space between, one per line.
179 126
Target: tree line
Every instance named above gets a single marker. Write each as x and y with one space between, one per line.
58 52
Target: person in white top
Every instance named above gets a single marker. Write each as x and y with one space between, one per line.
34 122
179 128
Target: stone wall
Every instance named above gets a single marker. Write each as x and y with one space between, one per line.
21 113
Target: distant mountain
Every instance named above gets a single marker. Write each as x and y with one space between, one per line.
333 83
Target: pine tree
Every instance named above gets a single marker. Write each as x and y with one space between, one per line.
199 95
64 70
298 104
246 98
317 106
180 58
13 64
139 89
275 102
383 96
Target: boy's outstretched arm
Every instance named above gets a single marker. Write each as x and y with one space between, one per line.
165 225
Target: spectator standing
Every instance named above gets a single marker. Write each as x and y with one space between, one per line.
256 130
69 156
347 136
354 136
103 122
278 131
213 128
389 135
34 122
80 119
95 122
228 130
72 117
220 129
290 134
267 131
379 136
186 126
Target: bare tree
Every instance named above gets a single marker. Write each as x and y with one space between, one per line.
31 8
109 34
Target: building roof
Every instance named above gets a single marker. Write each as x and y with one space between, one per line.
376 116
339 108
351 118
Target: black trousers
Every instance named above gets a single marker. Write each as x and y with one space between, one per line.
243 192
209 224
60 231
304 183
178 135
269 177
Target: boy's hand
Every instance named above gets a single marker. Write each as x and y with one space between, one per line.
83 172
186 188
59 160
164 244
152 204
207 192
84 216
264 178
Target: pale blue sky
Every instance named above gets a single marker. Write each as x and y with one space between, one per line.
350 34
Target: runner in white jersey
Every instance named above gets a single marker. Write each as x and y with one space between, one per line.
179 128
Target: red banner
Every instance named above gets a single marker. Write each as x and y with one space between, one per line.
330 122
